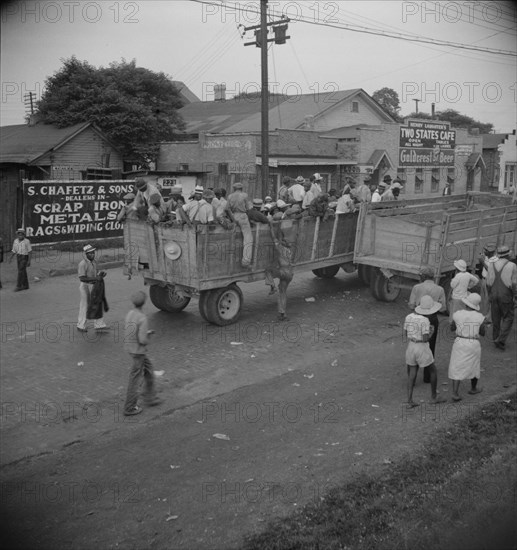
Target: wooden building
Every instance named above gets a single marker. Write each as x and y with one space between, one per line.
46 152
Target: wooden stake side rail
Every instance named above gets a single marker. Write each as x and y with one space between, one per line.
406 243
210 256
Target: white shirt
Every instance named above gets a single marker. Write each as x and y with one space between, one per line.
461 283
22 247
376 197
417 326
297 192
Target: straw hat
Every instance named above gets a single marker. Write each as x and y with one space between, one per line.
460 265
472 300
427 306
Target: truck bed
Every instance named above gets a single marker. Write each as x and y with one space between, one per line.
211 255
433 232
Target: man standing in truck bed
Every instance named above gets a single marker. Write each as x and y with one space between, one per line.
238 206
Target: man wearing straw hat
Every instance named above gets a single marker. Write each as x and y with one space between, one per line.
465 362
23 251
417 329
88 275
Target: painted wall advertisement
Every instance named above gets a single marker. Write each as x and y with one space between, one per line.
57 210
427 143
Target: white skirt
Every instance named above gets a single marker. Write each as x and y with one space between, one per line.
465 362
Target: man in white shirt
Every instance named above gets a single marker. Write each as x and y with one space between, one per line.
23 251
377 194
296 191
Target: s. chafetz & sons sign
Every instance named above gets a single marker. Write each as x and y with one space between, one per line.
427 143
56 211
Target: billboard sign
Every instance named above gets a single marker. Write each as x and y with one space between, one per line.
61 210
426 143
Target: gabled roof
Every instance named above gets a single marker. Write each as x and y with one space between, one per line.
244 114
475 159
491 141
24 144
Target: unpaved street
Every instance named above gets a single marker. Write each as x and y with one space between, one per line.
257 419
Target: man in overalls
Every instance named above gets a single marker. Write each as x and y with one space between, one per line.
502 288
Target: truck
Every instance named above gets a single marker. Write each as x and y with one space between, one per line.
394 241
178 262
388 243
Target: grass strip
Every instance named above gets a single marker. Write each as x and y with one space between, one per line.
458 492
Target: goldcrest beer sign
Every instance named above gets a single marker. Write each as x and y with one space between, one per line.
427 143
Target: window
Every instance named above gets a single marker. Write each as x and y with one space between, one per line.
419 180
510 173
184 167
435 180
355 106
223 169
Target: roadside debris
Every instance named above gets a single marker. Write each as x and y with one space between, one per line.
221 436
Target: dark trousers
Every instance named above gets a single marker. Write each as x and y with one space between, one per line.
23 280
142 366
435 323
502 318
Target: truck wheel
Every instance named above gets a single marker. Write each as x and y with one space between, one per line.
203 298
223 305
349 267
166 299
365 273
382 289
326 272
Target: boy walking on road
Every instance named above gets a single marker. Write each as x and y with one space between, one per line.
136 340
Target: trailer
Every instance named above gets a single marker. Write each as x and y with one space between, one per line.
394 241
181 261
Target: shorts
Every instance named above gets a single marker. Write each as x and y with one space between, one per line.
419 353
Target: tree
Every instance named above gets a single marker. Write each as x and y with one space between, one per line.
135 107
388 99
457 120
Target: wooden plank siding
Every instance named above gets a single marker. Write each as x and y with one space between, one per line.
413 236
84 151
211 255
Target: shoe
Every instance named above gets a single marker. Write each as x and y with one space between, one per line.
282 317
82 329
101 329
272 291
133 411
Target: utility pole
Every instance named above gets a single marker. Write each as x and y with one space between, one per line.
262 41
265 98
417 102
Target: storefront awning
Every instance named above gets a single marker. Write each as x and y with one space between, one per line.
377 157
474 159
314 161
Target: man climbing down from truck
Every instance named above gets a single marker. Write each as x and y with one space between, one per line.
237 208
281 268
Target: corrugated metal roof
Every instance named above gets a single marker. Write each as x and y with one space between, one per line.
22 143
244 114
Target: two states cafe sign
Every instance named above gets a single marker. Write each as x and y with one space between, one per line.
57 211
427 143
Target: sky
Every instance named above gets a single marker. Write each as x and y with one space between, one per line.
202 44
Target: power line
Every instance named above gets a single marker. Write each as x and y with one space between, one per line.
366 30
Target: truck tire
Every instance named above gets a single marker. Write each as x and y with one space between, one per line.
365 273
382 288
203 297
223 305
166 299
326 272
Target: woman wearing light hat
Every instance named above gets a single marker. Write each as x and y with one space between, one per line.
465 362
460 284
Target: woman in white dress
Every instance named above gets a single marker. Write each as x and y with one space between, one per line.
465 362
